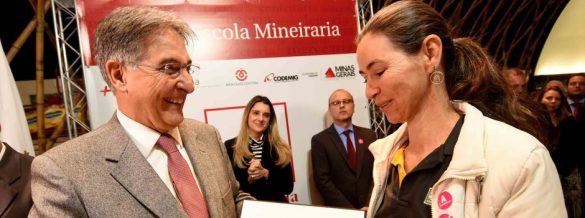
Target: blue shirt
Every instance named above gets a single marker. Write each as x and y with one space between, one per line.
570 101
342 136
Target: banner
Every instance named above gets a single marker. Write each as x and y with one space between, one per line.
294 52
14 128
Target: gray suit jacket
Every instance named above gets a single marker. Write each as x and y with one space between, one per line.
102 174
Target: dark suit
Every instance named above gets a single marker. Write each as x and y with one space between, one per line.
103 174
15 198
279 183
337 182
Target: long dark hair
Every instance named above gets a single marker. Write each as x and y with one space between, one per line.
470 73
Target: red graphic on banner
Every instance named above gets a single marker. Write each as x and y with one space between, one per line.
241 74
329 73
293 198
445 215
237 29
106 90
269 77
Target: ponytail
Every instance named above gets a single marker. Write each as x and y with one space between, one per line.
477 80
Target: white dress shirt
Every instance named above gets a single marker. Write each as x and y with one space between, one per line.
340 131
145 139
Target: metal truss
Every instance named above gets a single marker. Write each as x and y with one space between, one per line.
70 66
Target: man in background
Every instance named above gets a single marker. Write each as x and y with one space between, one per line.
342 163
576 94
147 161
517 80
15 198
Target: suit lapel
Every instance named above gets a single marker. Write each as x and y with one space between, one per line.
204 169
7 193
135 174
10 168
338 144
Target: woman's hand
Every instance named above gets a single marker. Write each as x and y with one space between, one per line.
256 171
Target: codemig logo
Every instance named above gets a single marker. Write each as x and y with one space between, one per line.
280 78
341 71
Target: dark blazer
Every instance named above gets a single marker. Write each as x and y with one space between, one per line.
569 150
337 182
280 180
102 174
15 198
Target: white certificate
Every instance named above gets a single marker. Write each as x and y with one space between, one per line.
264 209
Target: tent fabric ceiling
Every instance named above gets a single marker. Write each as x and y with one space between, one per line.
564 50
515 41
513 32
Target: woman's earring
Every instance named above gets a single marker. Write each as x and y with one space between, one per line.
437 77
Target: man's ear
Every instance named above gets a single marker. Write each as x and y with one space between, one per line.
115 71
432 50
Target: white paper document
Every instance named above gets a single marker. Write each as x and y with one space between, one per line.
263 209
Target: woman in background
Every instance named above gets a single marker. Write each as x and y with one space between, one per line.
566 150
456 153
555 102
261 159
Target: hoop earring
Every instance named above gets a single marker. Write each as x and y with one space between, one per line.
437 77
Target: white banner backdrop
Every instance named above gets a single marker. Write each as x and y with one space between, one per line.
297 72
301 103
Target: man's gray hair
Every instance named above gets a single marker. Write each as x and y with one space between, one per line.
122 34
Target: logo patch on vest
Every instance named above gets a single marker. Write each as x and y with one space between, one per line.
427 200
445 200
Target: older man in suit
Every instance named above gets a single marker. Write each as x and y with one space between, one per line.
342 163
15 198
147 161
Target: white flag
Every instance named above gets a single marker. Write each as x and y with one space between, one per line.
14 128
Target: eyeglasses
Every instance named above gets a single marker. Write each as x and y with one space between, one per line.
339 102
174 69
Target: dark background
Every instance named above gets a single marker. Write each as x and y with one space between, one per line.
14 16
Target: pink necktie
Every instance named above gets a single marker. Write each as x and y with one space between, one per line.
183 181
350 150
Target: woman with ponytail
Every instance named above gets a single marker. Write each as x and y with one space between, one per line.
261 159
467 146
